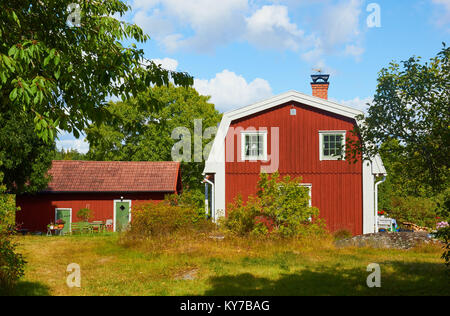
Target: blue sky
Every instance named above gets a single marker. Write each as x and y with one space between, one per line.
244 51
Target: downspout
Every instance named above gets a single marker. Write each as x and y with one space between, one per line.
376 202
213 198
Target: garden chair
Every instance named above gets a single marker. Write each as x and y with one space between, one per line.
97 226
109 225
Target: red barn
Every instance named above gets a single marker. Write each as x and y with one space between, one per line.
297 135
108 189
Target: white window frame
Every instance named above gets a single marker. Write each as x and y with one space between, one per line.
263 157
308 185
321 149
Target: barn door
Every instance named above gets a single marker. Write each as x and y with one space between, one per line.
122 214
66 215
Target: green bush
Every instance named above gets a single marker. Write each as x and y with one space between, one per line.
342 234
444 235
11 264
84 214
193 199
281 205
164 218
418 210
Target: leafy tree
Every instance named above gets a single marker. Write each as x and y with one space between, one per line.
25 157
412 107
11 263
64 73
147 135
69 154
7 208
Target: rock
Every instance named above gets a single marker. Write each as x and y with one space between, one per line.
400 240
189 275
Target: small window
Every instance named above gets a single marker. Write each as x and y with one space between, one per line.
254 145
332 145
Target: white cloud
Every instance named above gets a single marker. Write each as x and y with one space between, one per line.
356 103
443 12
339 30
353 50
203 25
81 145
230 91
212 24
167 63
271 27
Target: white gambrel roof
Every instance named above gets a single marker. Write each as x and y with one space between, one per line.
217 153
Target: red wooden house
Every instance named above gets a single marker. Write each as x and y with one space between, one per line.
297 135
108 189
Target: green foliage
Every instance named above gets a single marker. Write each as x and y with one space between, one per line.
192 199
69 154
7 209
26 158
411 106
418 210
157 219
84 214
62 74
342 234
282 205
145 135
12 264
242 217
444 235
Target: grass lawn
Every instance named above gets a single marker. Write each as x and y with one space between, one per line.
203 266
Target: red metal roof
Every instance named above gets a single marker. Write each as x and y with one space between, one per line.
113 176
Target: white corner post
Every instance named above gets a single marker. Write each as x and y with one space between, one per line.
213 210
376 202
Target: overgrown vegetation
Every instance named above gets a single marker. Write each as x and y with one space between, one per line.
11 263
84 214
281 207
232 267
175 215
444 234
409 117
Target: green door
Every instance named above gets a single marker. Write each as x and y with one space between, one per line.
64 214
122 215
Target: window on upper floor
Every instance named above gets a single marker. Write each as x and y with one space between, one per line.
332 145
254 145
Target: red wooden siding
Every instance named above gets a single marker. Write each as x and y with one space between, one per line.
336 185
39 210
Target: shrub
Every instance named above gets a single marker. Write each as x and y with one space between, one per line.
84 214
280 205
418 210
444 234
11 264
193 199
156 219
342 234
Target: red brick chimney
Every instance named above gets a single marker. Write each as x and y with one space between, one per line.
320 86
